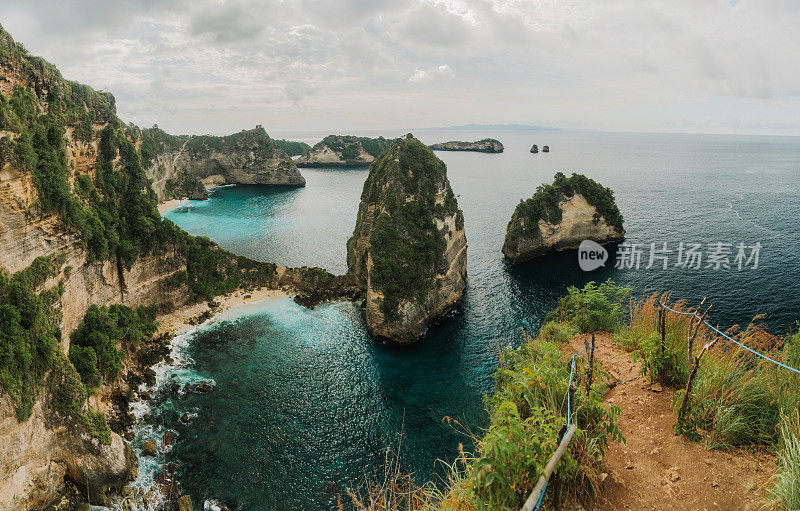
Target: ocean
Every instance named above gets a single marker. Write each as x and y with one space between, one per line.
306 404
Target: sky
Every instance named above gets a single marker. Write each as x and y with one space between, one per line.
217 66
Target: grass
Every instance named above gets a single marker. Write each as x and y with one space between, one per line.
786 490
737 399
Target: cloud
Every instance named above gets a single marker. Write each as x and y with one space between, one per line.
420 75
218 65
441 71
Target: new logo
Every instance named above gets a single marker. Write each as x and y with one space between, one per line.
591 255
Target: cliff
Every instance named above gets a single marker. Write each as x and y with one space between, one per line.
561 215
184 166
408 250
345 151
79 227
487 145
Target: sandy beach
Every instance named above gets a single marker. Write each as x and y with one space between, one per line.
185 318
171 204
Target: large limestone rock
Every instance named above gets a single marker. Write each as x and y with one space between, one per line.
38 453
560 216
249 157
408 250
487 145
344 151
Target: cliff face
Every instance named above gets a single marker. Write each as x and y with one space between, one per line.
78 227
408 250
40 452
345 151
487 145
249 157
560 216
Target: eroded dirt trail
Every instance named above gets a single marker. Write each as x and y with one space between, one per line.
657 470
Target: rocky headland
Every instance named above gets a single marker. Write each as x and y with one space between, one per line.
344 151
80 231
186 166
561 215
487 145
408 250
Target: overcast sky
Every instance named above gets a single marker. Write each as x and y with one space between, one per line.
628 65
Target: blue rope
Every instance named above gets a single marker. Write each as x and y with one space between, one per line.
541 497
734 340
571 372
569 419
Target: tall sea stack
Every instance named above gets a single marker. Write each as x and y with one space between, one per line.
408 250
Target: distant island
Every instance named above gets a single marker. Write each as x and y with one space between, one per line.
344 151
487 145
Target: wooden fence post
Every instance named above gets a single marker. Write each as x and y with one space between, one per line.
689 336
589 363
688 392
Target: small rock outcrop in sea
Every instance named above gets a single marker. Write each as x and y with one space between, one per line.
408 250
344 151
560 216
487 145
535 148
546 149
184 166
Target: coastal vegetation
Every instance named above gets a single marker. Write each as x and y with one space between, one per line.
348 145
346 150
95 347
293 148
544 205
185 185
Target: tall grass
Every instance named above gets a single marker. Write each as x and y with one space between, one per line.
786 490
665 363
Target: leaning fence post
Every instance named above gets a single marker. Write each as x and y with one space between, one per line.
688 392
689 336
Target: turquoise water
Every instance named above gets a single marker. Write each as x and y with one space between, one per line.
306 403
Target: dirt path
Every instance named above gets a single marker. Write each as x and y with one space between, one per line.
656 470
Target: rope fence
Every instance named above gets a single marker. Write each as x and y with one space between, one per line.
534 501
726 336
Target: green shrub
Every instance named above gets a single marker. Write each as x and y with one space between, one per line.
94 350
593 308
29 333
95 422
528 410
557 333
514 453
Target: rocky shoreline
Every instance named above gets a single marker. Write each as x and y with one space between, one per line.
147 376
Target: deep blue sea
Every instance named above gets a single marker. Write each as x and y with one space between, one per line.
306 403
